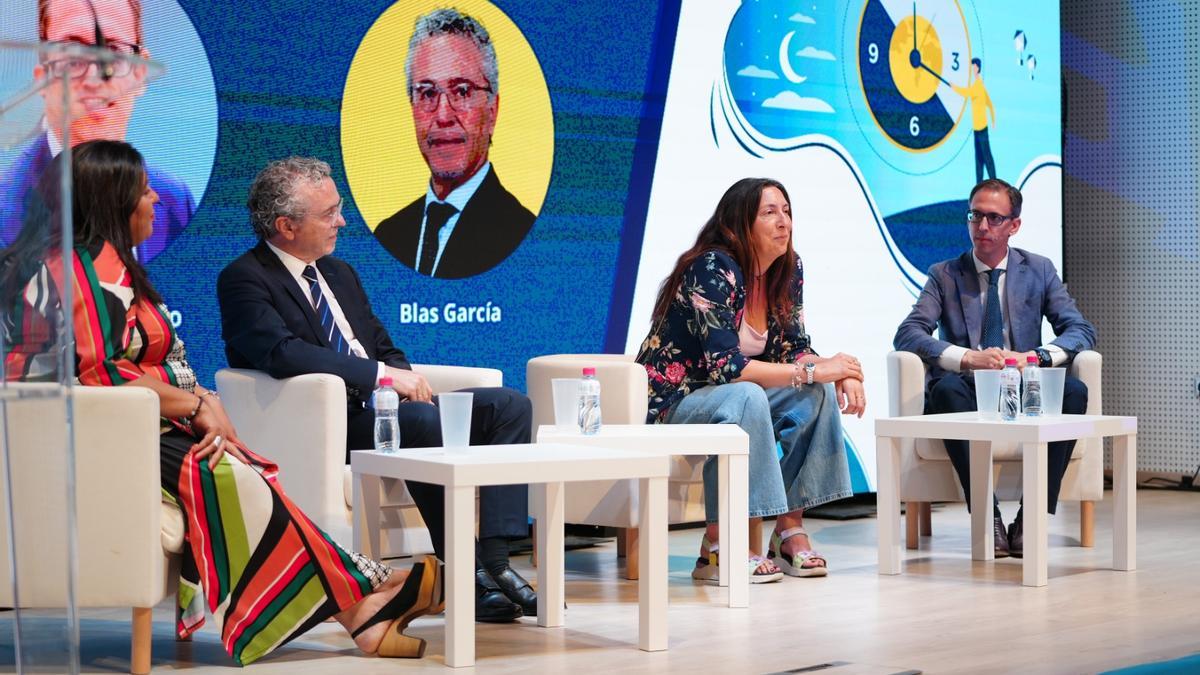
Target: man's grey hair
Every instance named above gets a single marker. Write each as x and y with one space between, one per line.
450 21
273 192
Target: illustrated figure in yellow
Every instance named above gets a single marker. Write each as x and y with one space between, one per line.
981 106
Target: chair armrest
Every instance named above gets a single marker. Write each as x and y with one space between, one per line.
450 378
1087 366
906 384
623 385
117 491
299 423
119 494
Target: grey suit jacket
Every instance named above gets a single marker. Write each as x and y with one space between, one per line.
950 302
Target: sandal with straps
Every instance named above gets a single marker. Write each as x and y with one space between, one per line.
804 563
708 569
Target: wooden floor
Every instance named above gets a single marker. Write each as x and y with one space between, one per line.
945 614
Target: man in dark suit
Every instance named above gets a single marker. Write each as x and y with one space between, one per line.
288 307
987 305
466 223
100 109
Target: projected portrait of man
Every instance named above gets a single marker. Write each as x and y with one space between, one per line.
100 108
467 222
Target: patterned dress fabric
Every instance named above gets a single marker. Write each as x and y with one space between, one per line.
252 558
697 343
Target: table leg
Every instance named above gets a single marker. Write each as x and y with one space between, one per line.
723 524
1035 520
983 544
460 576
1125 502
652 586
365 514
738 534
887 474
550 585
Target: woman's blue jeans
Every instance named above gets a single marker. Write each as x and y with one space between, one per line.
806 421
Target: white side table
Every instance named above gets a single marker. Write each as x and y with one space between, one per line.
544 467
1033 433
728 442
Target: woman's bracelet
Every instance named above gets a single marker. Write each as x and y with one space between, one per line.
802 376
195 411
210 392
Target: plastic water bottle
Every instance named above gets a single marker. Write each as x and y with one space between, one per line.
1031 385
1010 391
589 402
386 401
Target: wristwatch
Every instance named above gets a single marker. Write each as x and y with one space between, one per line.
809 369
1043 356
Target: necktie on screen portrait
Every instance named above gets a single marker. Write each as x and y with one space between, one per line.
993 324
337 342
436 216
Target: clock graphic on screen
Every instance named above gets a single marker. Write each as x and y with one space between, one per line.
910 54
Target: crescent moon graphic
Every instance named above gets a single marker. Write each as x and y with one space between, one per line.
785 64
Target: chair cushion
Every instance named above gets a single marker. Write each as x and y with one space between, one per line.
687 468
171 522
395 491
1001 452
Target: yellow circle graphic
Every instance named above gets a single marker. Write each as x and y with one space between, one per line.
913 81
383 161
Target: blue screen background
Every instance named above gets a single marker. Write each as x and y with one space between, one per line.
278 93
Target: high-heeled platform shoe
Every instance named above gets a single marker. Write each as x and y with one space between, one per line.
417 597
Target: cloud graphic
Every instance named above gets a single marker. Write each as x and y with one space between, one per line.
811 52
754 71
800 18
790 100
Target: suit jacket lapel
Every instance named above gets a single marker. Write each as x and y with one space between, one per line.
968 298
339 286
474 215
276 271
1016 292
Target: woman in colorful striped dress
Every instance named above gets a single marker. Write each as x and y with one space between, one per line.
258 564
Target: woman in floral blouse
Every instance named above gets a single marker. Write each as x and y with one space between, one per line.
728 346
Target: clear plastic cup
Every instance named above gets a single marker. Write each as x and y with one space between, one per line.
1053 381
454 409
987 394
566 402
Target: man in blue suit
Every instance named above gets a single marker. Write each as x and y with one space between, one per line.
100 108
987 305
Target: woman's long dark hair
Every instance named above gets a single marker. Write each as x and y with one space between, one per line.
728 230
108 179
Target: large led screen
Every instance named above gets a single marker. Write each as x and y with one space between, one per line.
595 147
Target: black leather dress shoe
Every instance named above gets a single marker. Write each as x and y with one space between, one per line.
1001 537
491 605
1016 540
517 589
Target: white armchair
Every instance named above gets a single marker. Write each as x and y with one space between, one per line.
128 539
926 474
300 424
624 401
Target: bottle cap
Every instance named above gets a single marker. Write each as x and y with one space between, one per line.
1031 359
385 381
589 372
1010 362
